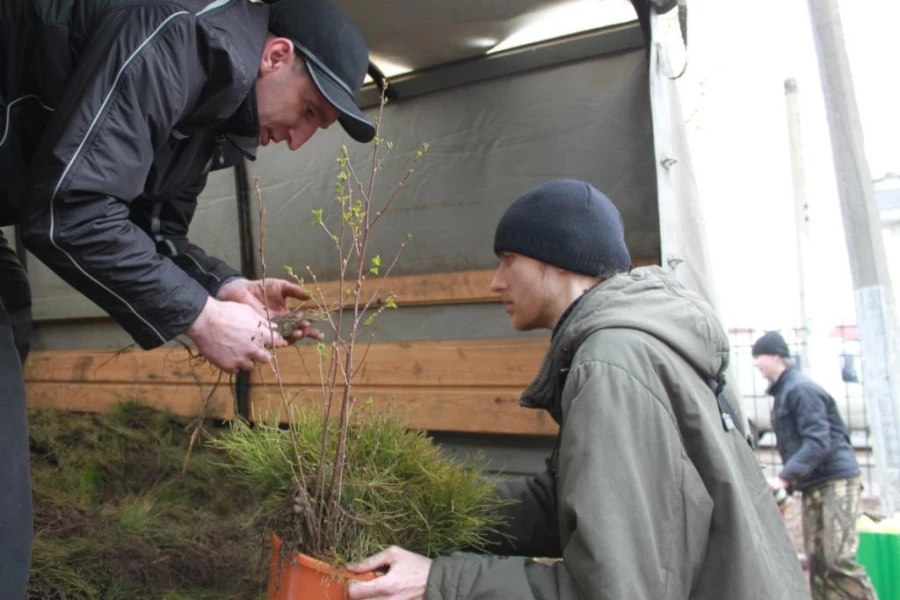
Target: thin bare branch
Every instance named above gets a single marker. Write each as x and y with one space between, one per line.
312 523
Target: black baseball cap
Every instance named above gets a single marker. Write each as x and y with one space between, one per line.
335 53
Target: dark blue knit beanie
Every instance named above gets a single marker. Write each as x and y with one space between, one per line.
770 343
568 224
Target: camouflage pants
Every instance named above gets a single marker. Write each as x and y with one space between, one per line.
829 537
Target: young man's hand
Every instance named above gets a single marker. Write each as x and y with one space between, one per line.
274 293
405 580
232 336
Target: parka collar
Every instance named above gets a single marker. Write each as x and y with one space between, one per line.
779 384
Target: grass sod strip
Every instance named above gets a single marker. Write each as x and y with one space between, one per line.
115 517
120 514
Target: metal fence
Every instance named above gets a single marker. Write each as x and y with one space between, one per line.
831 360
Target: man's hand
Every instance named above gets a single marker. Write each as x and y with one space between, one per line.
233 336
405 580
274 293
777 482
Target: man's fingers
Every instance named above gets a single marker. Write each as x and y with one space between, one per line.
292 290
376 561
268 336
261 357
278 341
370 590
305 331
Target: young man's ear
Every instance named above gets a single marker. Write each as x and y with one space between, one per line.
277 53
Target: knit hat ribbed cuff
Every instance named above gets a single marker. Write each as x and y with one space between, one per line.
568 224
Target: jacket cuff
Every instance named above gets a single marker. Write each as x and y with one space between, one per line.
219 276
214 290
445 579
788 474
183 313
463 576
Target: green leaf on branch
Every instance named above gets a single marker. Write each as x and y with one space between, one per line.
290 271
320 349
376 262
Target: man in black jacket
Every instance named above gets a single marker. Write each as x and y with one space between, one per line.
818 461
112 114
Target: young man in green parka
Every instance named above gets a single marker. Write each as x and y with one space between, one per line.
652 492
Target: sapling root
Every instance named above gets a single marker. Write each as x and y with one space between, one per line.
290 322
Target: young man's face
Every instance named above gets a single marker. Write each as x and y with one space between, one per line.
770 365
291 108
527 290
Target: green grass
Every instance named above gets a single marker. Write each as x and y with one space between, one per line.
122 512
116 518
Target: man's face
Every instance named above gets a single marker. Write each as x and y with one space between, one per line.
770 365
291 108
526 289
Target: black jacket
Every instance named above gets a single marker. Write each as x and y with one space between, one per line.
113 113
812 439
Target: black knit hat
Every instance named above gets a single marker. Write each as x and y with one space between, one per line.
335 52
568 224
771 343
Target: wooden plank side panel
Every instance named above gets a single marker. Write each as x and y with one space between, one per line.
163 365
462 287
466 410
185 400
463 385
457 385
450 363
511 362
453 410
458 287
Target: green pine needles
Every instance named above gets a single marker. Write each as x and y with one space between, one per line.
398 487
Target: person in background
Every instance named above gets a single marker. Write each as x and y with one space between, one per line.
819 462
652 492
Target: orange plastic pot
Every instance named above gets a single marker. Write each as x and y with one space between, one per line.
300 577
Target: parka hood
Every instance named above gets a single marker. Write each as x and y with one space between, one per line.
647 299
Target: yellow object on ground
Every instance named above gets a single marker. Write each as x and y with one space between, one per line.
889 525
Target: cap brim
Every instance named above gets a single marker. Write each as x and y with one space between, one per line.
352 118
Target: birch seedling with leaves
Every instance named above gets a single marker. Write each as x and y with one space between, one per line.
350 479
